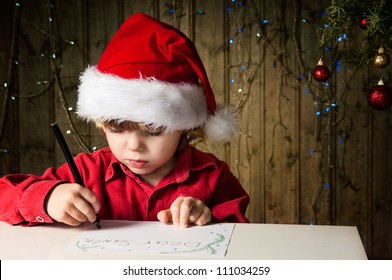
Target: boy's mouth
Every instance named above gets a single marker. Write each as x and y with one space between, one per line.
137 163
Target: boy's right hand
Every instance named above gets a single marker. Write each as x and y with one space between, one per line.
72 204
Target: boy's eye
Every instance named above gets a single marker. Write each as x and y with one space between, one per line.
153 133
115 130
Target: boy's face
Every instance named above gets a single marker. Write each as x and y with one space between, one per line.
147 153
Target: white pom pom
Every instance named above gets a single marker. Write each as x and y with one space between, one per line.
222 126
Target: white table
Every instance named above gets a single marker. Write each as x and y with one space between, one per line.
249 241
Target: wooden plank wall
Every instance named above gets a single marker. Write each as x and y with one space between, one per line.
298 166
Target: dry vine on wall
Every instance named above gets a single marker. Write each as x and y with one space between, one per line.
251 37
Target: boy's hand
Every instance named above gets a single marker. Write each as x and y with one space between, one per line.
72 204
185 211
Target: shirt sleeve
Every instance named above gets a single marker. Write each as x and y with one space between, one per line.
22 196
230 200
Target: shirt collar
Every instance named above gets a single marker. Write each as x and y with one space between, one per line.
188 159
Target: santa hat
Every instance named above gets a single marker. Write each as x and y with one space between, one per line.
149 73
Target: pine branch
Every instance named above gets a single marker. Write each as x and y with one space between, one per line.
343 14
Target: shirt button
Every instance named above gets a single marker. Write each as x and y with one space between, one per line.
39 219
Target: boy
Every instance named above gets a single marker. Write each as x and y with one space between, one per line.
144 96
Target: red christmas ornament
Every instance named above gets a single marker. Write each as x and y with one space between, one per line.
363 22
321 73
380 96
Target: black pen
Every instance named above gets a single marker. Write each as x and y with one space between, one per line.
71 162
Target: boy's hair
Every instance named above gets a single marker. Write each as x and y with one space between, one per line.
188 137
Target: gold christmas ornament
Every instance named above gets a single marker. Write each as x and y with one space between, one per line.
381 59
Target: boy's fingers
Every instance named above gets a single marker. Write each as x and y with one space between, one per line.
83 210
91 199
165 216
175 209
204 217
185 211
70 220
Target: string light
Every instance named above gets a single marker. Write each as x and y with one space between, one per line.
322 91
341 37
231 41
338 65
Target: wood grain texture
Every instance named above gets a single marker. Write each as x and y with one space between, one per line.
297 166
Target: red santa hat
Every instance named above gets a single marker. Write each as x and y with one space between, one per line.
149 73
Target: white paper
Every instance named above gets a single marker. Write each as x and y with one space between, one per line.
155 238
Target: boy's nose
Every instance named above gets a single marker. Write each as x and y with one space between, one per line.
135 141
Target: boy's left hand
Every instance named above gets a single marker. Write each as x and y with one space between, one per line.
185 211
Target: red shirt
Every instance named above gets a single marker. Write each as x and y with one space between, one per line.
123 196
